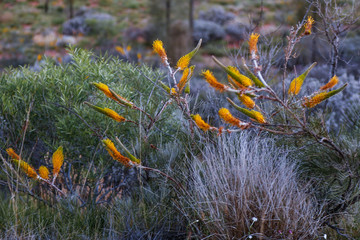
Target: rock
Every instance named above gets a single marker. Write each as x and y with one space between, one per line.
47 38
66 40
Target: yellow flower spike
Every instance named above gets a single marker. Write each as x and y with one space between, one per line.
333 81
39 57
318 98
252 76
228 118
120 50
209 77
183 80
234 74
28 169
172 91
105 89
108 112
184 61
246 100
111 94
200 122
253 40
57 160
258 117
241 80
12 154
308 25
255 115
159 49
297 83
139 56
44 172
114 115
115 154
128 48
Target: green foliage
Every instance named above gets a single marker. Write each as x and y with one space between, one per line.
129 219
56 95
58 116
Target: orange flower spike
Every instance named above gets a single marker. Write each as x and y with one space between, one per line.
308 25
247 101
253 40
235 84
318 98
229 118
241 81
29 170
159 49
128 48
258 117
105 89
172 91
183 80
296 83
209 77
315 100
115 154
120 50
183 62
333 81
200 122
12 154
44 172
57 160
114 115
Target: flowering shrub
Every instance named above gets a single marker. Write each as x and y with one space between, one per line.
168 113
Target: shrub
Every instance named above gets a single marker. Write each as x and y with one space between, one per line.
217 15
149 112
207 31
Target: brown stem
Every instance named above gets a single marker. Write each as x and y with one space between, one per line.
163 174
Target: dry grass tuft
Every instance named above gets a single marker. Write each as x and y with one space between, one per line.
243 186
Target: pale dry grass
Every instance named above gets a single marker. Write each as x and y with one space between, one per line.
244 186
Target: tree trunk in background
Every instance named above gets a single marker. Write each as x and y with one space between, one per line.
168 15
191 17
46 6
71 8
